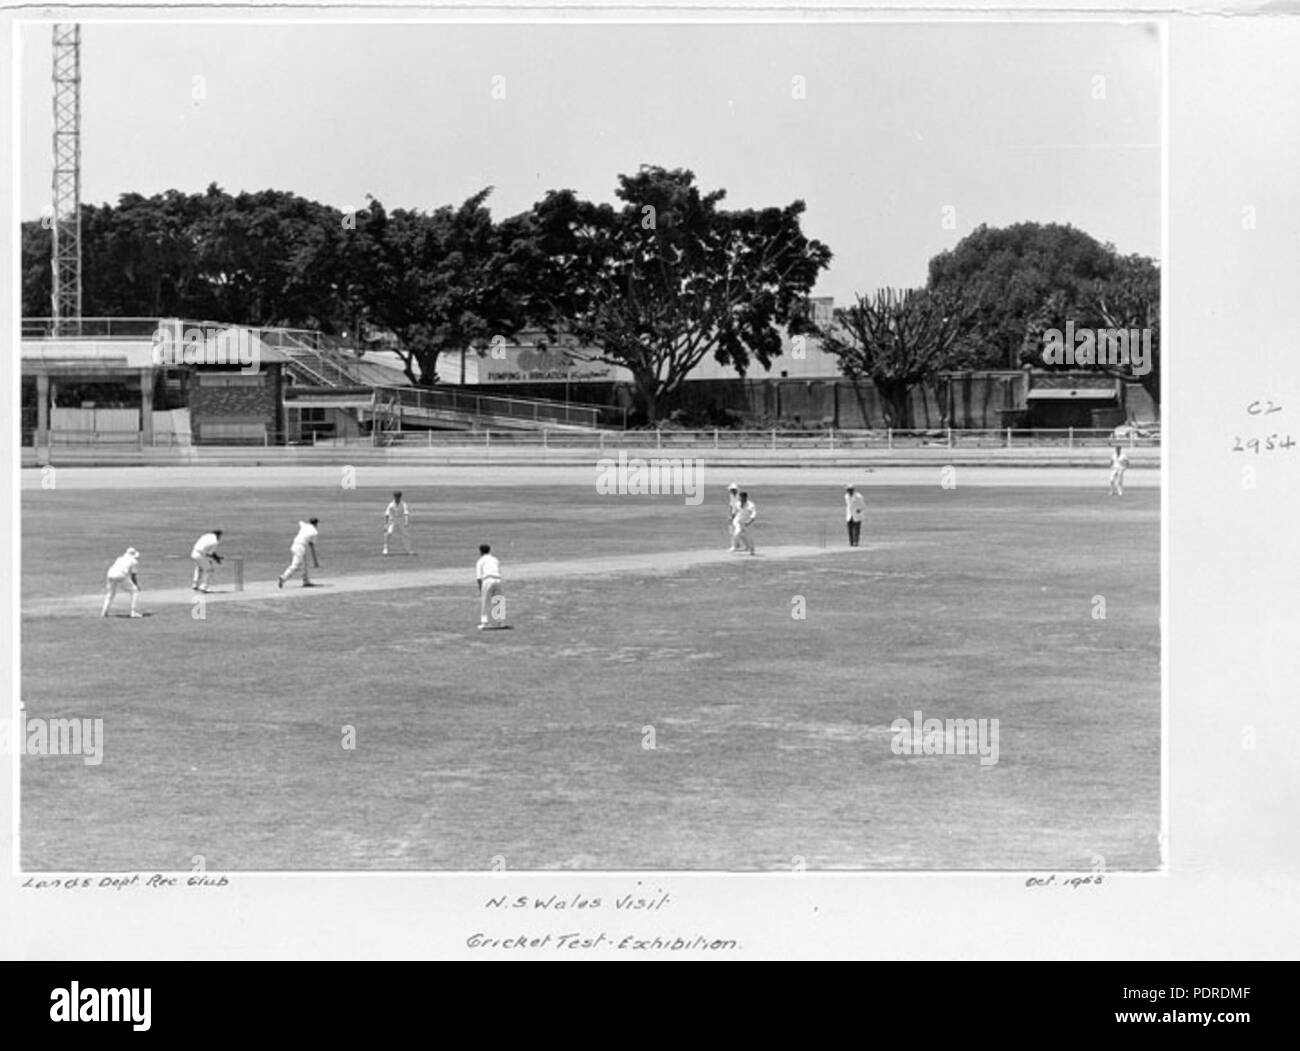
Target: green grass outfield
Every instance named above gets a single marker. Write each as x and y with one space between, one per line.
772 743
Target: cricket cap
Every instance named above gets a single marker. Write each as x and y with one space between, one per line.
733 488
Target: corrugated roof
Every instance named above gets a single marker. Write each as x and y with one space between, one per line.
121 353
379 369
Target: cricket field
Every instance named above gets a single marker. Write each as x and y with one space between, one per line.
656 703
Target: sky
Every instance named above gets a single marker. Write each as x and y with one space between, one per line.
900 138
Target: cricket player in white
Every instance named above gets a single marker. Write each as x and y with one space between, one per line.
855 508
1118 465
745 516
488 572
397 519
733 505
121 574
205 559
305 540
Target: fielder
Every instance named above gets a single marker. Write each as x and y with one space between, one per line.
745 516
733 505
488 573
122 574
205 559
305 540
397 519
855 508
1118 465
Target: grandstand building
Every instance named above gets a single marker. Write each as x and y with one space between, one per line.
141 381
135 383
172 382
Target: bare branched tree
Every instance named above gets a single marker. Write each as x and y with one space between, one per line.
897 339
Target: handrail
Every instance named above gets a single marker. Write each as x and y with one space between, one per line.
89 327
136 327
478 404
701 442
697 441
295 365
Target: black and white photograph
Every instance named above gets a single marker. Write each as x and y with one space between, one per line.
561 447
680 452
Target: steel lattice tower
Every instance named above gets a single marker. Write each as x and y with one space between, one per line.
66 256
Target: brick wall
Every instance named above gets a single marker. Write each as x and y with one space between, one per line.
227 397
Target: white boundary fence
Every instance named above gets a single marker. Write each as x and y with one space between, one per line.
1062 448
774 439
699 440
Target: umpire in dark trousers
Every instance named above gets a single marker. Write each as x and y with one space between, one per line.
855 508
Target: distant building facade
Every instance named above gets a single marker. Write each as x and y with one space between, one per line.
221 385
531 357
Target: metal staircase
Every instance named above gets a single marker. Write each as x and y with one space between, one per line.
451 406
333 377
311 362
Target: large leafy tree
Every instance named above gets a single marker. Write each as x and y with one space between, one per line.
37 250
897 339
1127 299
1013 272
267 258
443 281
1130 299
139 258
667 277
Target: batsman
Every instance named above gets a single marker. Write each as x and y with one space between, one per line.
205 559
304 541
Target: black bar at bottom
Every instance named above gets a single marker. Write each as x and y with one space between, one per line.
170 1000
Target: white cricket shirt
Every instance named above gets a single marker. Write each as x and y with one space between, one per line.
206 544
124 566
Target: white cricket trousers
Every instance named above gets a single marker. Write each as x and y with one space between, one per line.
111 584
740 535
400 529
299 562
489 607
203 565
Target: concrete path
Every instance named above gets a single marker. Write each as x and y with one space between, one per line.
650 564
712 477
